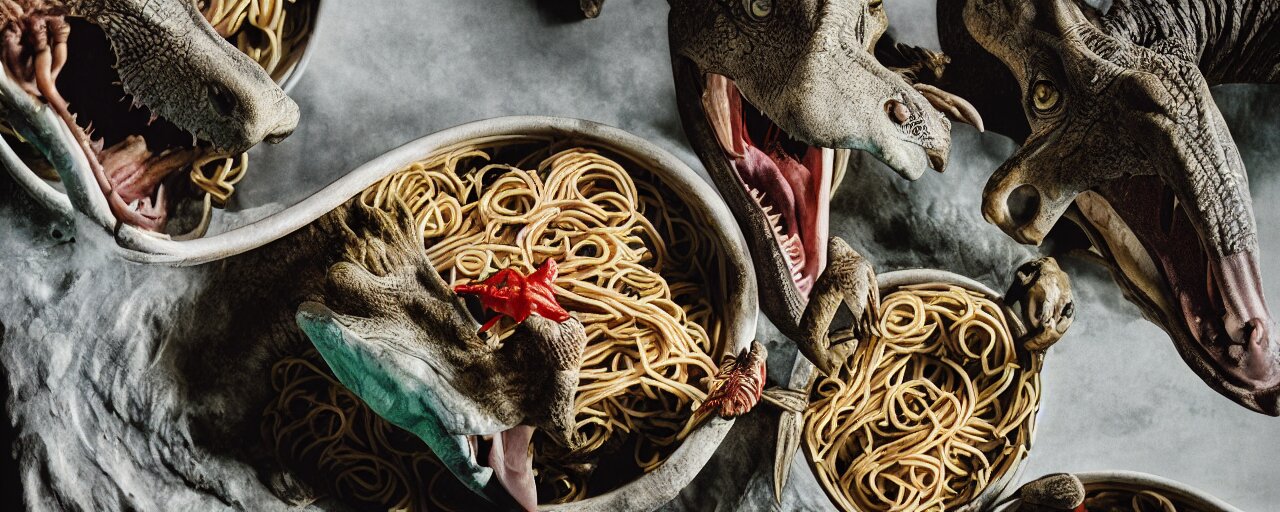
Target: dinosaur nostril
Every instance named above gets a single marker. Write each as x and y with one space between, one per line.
222 100
897 111
278 135
1023 204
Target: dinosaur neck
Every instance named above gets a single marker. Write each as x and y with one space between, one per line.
1232 40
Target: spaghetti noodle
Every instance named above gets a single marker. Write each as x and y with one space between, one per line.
271 32
636 266
331 439
274 34
928 413
1126 500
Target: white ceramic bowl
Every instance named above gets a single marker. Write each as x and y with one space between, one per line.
803 372
739 309
1139 481
290 78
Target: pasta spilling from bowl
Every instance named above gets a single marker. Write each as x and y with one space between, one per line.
636 266
927 414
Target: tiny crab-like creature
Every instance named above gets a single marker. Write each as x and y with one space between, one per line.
512 294
737 386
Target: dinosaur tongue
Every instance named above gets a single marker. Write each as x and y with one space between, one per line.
1219 298
509 458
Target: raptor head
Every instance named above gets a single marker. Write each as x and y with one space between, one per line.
1127 141
774 95
396 335
117 95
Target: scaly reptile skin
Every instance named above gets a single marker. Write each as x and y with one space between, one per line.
1124 138
168 60
1232 41
180 365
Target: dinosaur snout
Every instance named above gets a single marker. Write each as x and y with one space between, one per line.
282 131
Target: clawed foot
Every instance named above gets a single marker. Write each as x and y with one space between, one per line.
790 431
1043 291
850 280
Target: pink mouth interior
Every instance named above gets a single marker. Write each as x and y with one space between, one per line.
131 151
1221 299
785 178
508 456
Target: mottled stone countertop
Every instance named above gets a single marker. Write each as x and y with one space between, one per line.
1116 394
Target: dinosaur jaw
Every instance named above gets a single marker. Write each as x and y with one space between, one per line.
786 182
130 151
1212 307
487 453
507 454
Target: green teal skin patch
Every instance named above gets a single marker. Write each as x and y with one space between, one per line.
364 373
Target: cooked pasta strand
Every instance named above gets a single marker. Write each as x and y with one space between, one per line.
928 414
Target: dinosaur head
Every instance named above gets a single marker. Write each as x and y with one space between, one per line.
1127 141
395 334
774 95
138 90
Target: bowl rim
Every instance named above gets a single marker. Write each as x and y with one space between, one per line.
1197 497
740 313
291 77
803 372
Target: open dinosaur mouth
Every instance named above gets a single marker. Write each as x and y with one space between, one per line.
68 64
789 182
1143 229
507 454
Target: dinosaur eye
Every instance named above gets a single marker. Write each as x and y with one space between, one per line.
1045 97
758 9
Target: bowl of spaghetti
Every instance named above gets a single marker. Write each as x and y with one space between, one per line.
935 410
650 261
276 34
1131 491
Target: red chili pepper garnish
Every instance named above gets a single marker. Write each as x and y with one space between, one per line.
513 294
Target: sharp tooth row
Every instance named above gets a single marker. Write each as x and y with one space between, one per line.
793 252
791 246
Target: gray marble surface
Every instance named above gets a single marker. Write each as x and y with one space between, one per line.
1117 396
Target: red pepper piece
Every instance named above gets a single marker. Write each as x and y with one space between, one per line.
513 294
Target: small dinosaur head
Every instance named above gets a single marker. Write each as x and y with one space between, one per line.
1128 141
119 94
774 95
395 334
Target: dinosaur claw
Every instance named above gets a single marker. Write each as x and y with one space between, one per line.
953 106
790 431
1058 491
849 280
